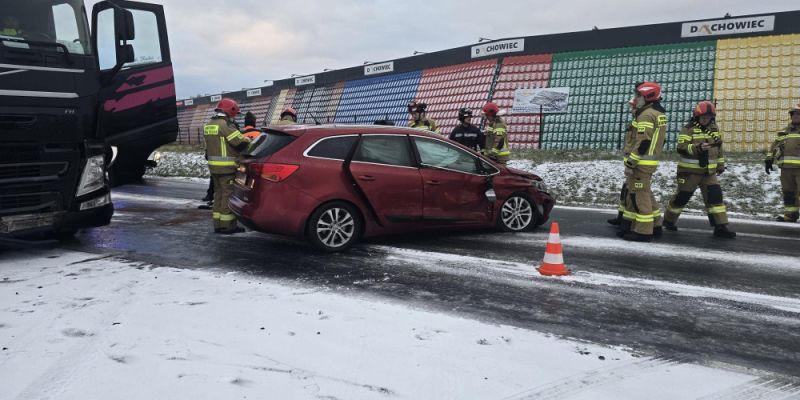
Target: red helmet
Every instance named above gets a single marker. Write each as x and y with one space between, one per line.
651 91
229 106
289 111
490 109
704 107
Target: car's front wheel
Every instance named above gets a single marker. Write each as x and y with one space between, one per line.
517 214
334 227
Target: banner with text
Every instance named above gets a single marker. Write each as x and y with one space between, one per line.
728 26
548 100
503 46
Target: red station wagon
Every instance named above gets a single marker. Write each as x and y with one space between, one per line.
334 184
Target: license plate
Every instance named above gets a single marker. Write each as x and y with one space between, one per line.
22 222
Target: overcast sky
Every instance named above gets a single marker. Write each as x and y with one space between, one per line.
226 45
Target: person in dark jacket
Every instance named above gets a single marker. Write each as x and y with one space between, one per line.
466 133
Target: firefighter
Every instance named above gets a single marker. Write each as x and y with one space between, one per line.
642 216
466 133
10 27
223 143
496 146
250 131
288 116
630 134
785 151
419 119
701 162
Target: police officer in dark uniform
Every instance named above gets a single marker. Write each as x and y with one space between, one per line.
466 133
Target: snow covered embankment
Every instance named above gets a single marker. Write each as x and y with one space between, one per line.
747 189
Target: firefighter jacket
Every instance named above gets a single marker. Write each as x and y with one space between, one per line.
223 143
785 150
497 140
630 135
425 124
251 132
470 136
694 159
651 130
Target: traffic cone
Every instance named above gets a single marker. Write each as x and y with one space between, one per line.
553 263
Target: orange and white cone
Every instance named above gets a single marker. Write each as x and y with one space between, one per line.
553 263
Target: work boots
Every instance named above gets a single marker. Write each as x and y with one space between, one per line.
784 219
615 221
723 232
670 226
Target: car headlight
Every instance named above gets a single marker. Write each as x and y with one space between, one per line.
539 185
93 177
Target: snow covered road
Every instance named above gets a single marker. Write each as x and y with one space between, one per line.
686 317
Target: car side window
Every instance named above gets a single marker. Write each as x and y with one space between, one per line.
434 153
384 149
335 148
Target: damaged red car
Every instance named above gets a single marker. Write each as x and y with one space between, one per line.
337 184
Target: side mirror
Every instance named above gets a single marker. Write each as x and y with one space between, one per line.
125 54
123 24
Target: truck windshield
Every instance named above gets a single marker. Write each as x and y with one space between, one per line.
24 24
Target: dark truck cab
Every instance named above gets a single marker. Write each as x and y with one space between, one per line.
71 101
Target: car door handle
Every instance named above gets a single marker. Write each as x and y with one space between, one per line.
366 177
433 182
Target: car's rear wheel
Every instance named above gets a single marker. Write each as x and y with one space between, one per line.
517 214
334 227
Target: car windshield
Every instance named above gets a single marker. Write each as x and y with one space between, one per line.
30 23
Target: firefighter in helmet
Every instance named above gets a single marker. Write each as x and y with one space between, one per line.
785 151
496 146
223 144
288 116
630 134
419 118
701 162
642 216
466 133
250 131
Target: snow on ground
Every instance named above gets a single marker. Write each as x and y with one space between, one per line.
746 188
81 326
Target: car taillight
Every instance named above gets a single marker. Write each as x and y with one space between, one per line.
273 172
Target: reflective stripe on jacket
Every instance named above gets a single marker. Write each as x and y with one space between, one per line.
651 130
222 143
785 150
689 141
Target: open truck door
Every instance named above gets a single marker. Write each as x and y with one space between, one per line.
136 104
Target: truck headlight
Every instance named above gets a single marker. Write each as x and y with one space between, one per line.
93 177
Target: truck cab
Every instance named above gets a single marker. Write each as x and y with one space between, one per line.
71 100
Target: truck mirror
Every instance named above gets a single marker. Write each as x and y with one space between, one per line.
126 54
123 24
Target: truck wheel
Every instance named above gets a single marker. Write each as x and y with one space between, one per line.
65 235
517 214
335 226
127 170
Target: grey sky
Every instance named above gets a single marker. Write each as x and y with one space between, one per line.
225 45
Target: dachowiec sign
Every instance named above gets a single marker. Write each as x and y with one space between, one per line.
254 92
374 69
305 80
728 26
189 102
545 100
499 47
216 97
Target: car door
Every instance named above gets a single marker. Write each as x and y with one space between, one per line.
454 183
384 169
136 105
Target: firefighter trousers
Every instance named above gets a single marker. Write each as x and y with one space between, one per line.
623 194
641 209
712 197
790 185
223 188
